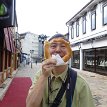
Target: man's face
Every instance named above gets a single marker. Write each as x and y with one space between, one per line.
58 47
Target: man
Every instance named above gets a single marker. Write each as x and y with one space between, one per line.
50 79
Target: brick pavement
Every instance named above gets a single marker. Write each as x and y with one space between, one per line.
27 71
97 82
98 86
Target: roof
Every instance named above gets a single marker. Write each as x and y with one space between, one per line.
84 10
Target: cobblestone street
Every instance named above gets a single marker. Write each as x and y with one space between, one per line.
27 71
98 85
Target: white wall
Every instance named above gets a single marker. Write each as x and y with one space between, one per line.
100 29
30 43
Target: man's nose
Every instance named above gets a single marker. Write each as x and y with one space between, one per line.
58 48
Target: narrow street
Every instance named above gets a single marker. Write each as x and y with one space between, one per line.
97 83
27 70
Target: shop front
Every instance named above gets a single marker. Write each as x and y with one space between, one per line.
95 60
75 61
6 54
1 55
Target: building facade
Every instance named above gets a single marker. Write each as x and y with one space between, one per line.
41 40
29 44
88 37
8 53
8 49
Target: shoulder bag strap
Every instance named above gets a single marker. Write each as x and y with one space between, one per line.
71 87
57 100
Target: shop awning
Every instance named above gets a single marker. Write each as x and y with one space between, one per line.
7 39
11 40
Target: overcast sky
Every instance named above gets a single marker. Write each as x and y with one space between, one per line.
46 16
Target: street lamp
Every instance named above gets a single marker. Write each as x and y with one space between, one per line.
41 40
31 51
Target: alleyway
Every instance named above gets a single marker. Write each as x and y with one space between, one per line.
97 83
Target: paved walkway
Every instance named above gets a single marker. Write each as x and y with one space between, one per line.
27 71
97 83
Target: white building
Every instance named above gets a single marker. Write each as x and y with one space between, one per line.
88 37
29 43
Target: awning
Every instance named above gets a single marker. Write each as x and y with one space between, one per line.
7 39
11 40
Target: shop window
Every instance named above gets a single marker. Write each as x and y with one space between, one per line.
96 60
101 60
89 60
75 62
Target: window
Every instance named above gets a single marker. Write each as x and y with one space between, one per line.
75 62
105 14
95 60
101 59
93 20
72 32
77 28
84 24
89 59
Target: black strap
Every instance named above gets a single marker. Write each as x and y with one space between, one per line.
57 100
69 86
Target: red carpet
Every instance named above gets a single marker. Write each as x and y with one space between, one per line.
17 93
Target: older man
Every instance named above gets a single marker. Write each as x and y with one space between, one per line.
53 87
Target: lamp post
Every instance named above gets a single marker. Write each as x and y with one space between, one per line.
31 51
41 40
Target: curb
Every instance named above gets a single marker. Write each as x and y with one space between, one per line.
5 85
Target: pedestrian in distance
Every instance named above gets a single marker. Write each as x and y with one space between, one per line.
36 62
56 84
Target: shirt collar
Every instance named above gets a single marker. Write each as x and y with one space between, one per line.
62 76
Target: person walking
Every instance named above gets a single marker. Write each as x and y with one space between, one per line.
36 62
56 84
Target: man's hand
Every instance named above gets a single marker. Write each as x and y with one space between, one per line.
47 66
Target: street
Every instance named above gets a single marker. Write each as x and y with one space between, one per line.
97 83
